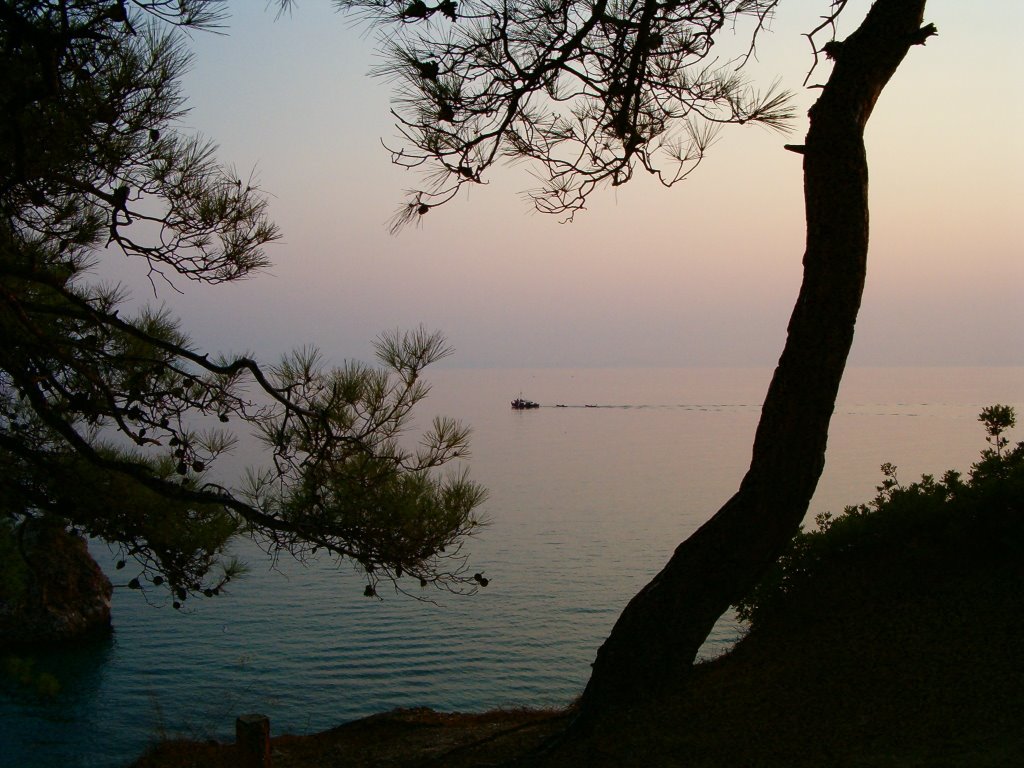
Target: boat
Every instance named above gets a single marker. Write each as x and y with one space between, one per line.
522 404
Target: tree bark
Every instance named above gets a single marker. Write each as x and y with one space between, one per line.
653 644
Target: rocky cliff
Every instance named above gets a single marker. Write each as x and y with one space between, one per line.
57 592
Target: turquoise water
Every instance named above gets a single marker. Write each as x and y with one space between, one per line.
586 504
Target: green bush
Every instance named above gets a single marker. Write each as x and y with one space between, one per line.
948 523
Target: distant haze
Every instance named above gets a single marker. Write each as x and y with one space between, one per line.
702 274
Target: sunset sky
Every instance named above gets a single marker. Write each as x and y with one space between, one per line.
702 274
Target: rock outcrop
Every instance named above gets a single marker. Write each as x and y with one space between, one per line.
62 595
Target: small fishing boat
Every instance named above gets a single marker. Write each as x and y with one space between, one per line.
522 404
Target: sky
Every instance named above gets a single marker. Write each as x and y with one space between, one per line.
703 274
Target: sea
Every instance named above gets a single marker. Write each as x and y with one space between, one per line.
586 503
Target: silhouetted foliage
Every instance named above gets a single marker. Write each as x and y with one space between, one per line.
997 419
586 91
972 517
111 419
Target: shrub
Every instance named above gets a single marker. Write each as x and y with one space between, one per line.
951 519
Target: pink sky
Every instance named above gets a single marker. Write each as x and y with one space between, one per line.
702 274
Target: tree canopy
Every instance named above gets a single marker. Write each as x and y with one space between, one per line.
586 91
110 417
589 91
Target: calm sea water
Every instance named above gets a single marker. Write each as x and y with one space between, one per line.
586 505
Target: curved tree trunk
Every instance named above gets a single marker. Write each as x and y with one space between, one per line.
655 640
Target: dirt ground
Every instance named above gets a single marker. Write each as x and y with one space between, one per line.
871 673
404 738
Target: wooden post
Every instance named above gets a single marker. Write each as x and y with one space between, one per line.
252 741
